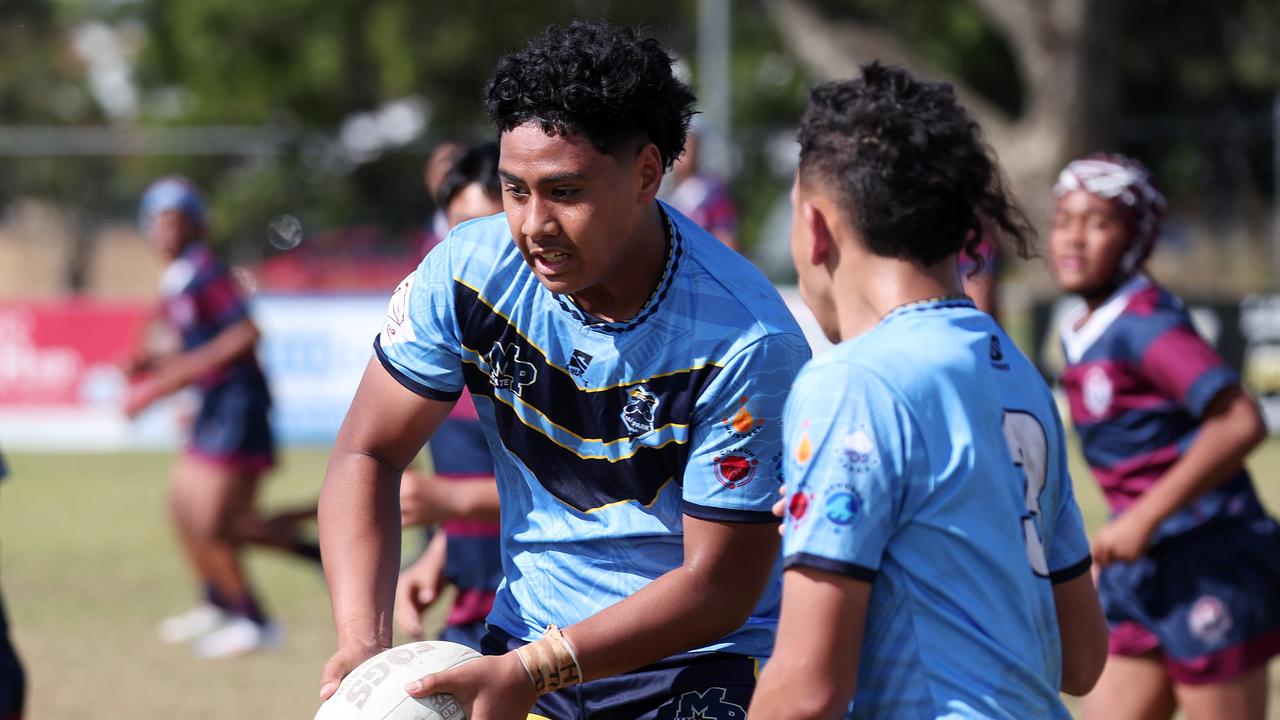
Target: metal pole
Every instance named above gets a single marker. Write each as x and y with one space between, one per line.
714 82
1275 192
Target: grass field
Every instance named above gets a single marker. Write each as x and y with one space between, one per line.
88 566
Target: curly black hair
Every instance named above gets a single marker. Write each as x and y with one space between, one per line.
479 164
912 168
605 82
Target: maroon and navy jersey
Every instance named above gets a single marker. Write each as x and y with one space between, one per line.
473 558
201 299
1139 378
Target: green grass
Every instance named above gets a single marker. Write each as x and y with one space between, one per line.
88 565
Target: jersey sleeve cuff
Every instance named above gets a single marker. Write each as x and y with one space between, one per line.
839 567
425 391
1206 388
716 514
1071 572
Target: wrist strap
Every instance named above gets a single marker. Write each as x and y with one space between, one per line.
550 662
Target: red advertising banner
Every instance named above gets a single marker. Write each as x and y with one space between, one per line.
64 354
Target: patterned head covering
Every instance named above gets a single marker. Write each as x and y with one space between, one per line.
172 192
1128 183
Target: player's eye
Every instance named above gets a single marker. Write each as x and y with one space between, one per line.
564 193
515 191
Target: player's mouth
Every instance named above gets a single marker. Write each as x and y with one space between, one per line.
551 262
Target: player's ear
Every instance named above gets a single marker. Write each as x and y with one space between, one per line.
650 171
819 225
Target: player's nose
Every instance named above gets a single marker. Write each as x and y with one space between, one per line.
538 220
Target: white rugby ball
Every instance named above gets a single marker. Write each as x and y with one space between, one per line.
375 689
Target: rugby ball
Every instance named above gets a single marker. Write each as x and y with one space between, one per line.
375 689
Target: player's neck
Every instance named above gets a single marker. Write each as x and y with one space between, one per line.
876 286
625 293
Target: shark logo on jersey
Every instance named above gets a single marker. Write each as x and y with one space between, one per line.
640 410
507 370
1097 392
709 704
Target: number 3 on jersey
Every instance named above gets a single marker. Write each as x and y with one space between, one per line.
1029 448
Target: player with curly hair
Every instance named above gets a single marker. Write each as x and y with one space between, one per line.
936 561
629 371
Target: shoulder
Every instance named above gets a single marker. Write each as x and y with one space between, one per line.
1150 314
723 293
477 254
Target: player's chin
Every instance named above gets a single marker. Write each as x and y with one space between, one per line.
559 283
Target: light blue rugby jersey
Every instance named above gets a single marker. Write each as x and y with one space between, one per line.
927 458
604 435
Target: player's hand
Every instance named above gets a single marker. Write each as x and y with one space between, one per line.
424 499
140 396
419 586
779 508
343 662
495 687
1124 539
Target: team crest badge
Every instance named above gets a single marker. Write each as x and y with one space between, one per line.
842 507
1209 620
507 370
641 409
1098 391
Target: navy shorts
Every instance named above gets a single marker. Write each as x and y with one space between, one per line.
1207 600
232 429
682 687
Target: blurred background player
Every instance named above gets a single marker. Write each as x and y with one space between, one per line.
461 492
701 196
1190 576
937 564
13 681
439 161
231 444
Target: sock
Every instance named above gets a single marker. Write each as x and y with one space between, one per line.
306 549
215 598
247 606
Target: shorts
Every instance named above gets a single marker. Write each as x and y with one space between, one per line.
12 679
469 634
232 429
681 687
1208 600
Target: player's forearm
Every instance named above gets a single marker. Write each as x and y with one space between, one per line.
795 690
232 343
475 499
679 611
1227 435
359 528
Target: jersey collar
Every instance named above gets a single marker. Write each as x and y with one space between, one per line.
675 250
1077 341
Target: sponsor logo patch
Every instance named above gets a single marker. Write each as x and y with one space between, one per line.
744 422
735 468
842 507
507 370
578 363
398 326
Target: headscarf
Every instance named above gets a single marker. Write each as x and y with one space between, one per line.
172 192
1125 181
